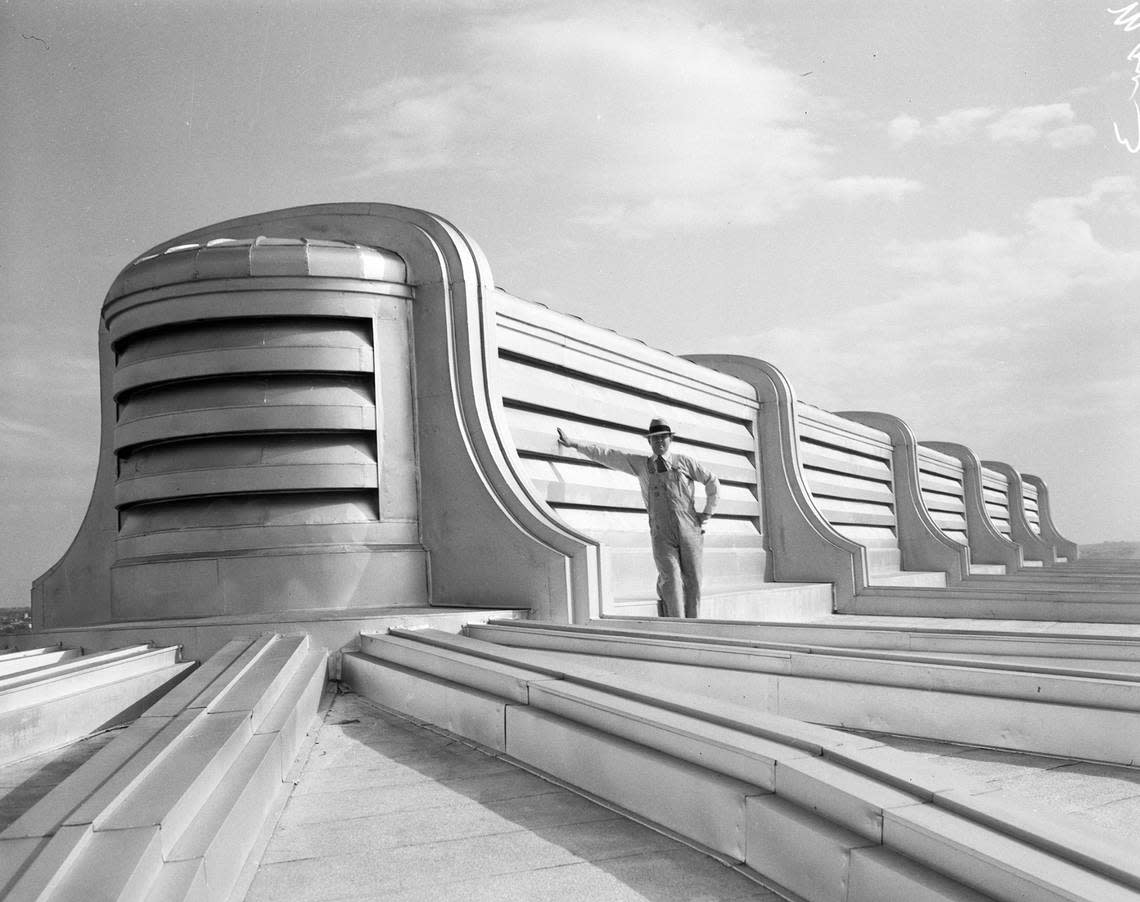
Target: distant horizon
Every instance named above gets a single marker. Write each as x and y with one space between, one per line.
1135 543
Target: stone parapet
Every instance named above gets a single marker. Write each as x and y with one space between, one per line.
988 543
1064 548
323 411
923 544
804 545
1022 531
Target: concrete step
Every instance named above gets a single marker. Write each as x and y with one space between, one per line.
89 789
75 864
1018 590
926 578
982 702
794 802
13 662
133 657
227 828
1086 685
758 602
1006 604
186 787
1100 795
987 625
117 866
171 793
332 629
1093 577
259 686
93 788
212 677
52 705
978 639
1047 580
293 714
448 657
35 866
14 857
185 880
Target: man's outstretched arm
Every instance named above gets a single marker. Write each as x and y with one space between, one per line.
613 458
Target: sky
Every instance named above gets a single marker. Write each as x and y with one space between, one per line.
926 209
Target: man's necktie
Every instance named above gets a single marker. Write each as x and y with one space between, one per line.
659 465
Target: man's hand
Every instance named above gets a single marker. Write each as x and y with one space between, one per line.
563 440
703 519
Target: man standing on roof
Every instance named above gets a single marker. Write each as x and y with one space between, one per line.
675 528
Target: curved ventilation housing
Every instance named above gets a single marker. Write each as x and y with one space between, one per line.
849 470
995 493
246 385
1031 503
943 485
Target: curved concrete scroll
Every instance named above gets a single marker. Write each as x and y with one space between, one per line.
804 546
490 543
1033 547
923 545
987 545
1062 546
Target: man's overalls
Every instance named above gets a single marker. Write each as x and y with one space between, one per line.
675 532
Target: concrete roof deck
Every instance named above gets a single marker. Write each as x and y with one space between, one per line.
386 809
23 783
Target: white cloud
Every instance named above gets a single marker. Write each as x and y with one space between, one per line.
970 252
1041 321
421 118
1027 124
903 129
650 120
855 188
951 128
1071 136
958 125
1054 123
1055 254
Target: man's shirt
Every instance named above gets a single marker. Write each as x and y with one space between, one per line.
641 465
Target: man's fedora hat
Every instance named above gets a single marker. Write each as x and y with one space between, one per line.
658 426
